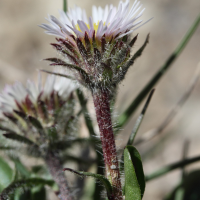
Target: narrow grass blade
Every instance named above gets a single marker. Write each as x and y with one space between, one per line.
171 167
154 132
139 119
65 5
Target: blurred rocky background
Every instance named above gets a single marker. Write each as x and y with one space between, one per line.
23 46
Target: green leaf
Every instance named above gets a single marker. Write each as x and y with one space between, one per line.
39 169
132 188
134 57
52 133
70 66
139 120
38 193
6 148
5 129
133 41
100 177
8 191
137 162
6 174
20 167
57 74
18 138
172 167
19 194
36 123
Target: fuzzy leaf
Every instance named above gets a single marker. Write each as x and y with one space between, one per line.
6 174
57 46
97 55
132 188
81 71
103 44
137 163
70 57
5 129
69 46
87 43
100 177
18 138
20 167
133 41
52 133
11 117
8 191
56 60
134 57
81 48
121 55
36 123
38 193
107 73
21 114
57 74
6 148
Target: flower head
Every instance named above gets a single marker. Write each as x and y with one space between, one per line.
40 113
96 49
110 22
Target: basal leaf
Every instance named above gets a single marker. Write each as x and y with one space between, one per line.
18 138
8 191
137 163
20 167
6 174
38 193
132 188
100 177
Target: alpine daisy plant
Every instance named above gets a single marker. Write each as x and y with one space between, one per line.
96 50
32 107
40 118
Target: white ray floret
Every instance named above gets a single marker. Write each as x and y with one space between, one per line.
110 21
17 93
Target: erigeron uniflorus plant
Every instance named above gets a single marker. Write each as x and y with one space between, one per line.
96 50
41 117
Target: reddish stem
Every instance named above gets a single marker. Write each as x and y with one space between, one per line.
102 108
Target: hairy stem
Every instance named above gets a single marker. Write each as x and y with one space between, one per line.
56 169
102 108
